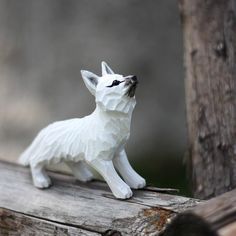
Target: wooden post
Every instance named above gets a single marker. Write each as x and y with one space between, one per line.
209 29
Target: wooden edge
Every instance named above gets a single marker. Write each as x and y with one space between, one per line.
215 217
161 190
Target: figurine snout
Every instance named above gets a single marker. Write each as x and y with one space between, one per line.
132 82
131 79
134 78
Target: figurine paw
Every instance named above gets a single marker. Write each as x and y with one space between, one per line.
123 192
85 178
138 183
42 182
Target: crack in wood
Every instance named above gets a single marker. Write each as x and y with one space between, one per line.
111 232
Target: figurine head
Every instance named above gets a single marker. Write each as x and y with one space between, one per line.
113 92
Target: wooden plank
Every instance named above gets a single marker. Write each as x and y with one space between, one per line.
90 206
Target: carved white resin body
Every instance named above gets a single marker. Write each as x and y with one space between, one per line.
97 140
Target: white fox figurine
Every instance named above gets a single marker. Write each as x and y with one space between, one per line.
97 140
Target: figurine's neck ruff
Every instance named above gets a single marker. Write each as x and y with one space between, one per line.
116 123
124 105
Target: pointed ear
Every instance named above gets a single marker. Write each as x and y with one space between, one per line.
90 80
106 70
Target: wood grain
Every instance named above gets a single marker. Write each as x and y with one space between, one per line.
14 223
69 207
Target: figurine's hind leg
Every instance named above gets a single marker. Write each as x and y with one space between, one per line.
80 171
40 177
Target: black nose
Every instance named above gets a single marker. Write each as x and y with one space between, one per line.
134 78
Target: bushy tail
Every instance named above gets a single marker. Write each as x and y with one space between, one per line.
25 157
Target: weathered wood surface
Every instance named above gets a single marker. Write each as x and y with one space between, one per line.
210 62
14 223
210 218
73 208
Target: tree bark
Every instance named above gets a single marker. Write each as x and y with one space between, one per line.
209 29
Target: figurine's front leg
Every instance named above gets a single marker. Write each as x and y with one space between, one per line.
106 169
130 176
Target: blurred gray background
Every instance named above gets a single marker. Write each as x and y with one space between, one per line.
44 45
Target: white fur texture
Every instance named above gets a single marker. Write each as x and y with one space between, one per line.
97 140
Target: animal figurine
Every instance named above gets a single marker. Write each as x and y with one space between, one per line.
97 140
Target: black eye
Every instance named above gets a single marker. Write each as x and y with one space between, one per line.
114 83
